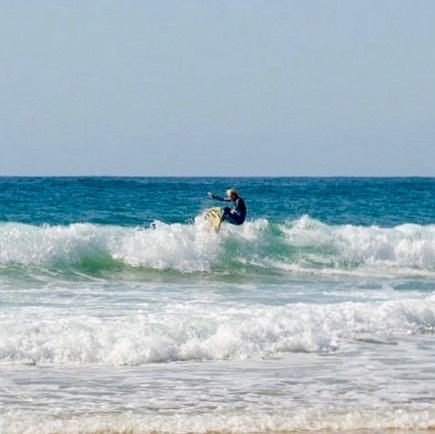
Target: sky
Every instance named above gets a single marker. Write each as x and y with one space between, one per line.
217 88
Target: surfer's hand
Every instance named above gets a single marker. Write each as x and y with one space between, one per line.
210 194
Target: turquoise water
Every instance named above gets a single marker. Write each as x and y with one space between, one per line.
122 311
139 201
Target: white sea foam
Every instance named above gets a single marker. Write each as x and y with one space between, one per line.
417 417
182 331
305 245
45 245
180 247
343 248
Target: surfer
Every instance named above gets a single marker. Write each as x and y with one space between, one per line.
237 215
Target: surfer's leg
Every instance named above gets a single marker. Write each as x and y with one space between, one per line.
226 214
234 219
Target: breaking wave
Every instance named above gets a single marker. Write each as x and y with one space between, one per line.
303 245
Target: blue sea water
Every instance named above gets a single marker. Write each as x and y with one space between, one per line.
122 311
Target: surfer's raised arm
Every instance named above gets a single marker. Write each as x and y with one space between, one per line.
222 199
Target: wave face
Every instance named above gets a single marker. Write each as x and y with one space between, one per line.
260 247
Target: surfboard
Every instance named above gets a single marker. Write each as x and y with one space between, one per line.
214 217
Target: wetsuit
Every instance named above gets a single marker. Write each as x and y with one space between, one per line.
236 218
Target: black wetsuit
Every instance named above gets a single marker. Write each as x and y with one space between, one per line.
236 218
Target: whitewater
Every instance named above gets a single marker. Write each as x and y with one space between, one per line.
122 311
304 244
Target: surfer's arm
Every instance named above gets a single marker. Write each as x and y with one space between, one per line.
222 199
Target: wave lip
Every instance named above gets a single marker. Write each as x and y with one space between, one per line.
184 248
303 245
404 248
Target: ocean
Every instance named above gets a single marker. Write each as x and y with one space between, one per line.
122 311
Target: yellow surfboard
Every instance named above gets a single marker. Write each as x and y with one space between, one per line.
214 217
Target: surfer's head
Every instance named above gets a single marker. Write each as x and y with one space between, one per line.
232 194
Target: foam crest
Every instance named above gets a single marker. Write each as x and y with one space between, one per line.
346 247
176 246
183 332
303 245
36 245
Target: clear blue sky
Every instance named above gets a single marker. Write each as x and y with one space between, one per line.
249 88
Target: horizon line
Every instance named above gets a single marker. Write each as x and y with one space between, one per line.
218 176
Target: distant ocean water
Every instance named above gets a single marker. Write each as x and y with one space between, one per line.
121 311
